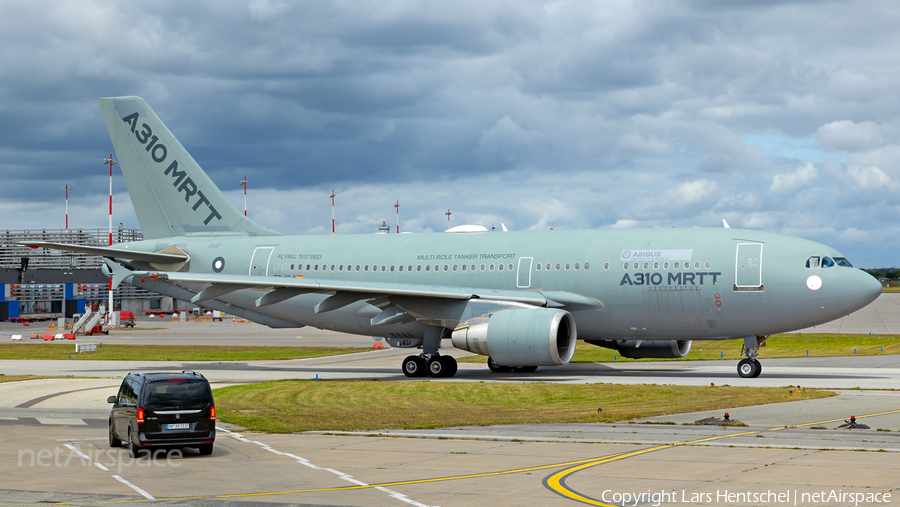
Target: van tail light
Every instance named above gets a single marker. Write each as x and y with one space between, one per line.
140 415
212 413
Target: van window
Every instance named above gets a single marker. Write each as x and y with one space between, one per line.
177 395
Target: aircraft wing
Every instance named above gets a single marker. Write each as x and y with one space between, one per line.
110 252
348 292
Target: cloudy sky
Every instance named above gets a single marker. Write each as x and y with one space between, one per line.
781 116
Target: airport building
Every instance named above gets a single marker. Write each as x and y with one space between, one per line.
42 283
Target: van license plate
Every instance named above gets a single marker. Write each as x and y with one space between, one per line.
180 426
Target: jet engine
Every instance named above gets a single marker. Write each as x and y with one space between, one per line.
640 349
521 337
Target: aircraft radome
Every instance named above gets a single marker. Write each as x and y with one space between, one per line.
521 298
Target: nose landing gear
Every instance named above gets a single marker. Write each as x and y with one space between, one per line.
751 367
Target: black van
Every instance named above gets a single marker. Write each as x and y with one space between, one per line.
163 410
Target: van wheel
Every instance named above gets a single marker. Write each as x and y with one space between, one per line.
113 439
205 450
132 450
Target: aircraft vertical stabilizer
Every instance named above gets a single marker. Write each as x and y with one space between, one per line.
172 196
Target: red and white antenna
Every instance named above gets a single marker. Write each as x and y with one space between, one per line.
398 216
448 216
111 161
332 211
67 187
243 183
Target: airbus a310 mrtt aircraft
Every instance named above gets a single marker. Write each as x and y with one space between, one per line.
521 298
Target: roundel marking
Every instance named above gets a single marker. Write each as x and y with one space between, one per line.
814 282
626 254
218 264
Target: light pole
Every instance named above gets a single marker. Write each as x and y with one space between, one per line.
111 161
332 211
243 183
67 187
398 216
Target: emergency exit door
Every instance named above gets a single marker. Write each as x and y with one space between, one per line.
259 263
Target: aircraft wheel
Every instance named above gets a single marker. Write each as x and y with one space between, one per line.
496 367
747 368
526 369
758 368
450 365
414 366
436 367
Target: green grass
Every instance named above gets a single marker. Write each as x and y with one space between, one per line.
781 345
18 378
299 405
118 352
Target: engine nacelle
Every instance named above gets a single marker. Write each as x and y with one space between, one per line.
521 337
647 349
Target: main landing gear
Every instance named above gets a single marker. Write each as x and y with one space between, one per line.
434 365
499 368
751 367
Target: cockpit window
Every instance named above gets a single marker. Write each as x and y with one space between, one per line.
827 262
843 262
812 262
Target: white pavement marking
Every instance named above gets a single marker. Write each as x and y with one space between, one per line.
61 421
303 461
101 467
78 452
132 486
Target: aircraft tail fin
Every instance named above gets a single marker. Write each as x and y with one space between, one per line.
172 196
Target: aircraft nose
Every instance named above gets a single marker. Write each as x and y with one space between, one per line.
870 287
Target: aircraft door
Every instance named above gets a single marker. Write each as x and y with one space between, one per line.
259 263
524 279
748 267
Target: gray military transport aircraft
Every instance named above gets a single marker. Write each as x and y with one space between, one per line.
516 297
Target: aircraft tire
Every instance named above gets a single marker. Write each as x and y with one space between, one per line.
449 364
496 367
526 369
414 366
758 368
747 368
436 367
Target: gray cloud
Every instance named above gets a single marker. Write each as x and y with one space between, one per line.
535 114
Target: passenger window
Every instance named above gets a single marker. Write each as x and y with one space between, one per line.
463 267
646 265
473 267
697 265
827 262
500 267
509 267
409 267
538 266
666 265
812 262
454 267
482 267
577 266
655 266
708 264
841 261
637 266
625 267
392 268
675 266
557 266
568 266
491 267
428 267
357 267
418 267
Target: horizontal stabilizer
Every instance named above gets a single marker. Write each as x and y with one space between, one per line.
110 252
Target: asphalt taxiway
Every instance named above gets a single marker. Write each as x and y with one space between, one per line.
53 437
